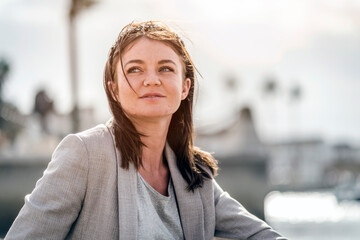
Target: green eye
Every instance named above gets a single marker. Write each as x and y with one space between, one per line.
133 70
166 69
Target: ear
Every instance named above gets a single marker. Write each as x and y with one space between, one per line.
186 88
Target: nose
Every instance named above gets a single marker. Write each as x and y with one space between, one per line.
152 79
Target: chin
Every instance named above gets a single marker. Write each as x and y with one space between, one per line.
151 115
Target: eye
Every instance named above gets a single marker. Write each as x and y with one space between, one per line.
166 69
133 70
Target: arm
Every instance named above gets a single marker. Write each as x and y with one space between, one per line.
234 221
54 204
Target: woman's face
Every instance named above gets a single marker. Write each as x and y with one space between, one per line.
155 72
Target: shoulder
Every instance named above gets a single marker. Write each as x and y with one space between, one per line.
89 143
92 150
97 133
96 138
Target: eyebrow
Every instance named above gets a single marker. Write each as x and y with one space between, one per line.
159 62
166 61
134 61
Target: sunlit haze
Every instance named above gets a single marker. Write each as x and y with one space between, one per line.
310 44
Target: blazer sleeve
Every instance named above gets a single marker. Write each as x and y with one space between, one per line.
235 222
54 204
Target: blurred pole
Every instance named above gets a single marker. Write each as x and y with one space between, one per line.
76 7
73 70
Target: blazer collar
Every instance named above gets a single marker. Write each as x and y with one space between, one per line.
127 195
189 203
127 202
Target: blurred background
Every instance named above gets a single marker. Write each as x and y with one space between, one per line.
278 102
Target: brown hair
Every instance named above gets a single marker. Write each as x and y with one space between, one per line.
191 161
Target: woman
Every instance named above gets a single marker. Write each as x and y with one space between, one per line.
139 176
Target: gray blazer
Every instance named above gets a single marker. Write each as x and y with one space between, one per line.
84 194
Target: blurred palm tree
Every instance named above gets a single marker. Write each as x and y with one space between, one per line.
76 7
4 70
11 120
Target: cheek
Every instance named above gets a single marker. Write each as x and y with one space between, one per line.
125 94
177 94
125 88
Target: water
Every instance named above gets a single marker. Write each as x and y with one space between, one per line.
313 215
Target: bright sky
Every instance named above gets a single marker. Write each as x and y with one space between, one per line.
314 44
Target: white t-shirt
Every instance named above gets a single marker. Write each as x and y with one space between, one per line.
158 215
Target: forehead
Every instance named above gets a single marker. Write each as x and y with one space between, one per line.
145 48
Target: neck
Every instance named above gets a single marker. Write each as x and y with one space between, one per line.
155 133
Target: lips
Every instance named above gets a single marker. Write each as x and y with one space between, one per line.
152 95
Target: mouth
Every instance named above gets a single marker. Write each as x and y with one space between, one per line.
152 95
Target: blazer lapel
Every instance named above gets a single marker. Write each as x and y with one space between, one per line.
190 204
127 200
127 196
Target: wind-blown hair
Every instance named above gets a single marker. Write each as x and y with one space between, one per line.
191 161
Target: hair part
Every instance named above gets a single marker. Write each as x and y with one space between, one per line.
191 161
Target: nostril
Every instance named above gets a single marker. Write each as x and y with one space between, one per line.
152 81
